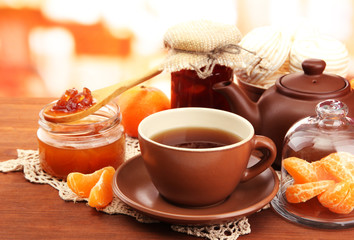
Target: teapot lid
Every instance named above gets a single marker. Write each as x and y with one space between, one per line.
313 83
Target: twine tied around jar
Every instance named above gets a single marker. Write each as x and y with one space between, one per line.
200 45
212 56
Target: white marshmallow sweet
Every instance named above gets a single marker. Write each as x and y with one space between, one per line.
270 47
329 49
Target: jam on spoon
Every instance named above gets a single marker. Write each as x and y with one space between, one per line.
101 97
73 100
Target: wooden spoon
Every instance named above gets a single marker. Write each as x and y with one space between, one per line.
101 97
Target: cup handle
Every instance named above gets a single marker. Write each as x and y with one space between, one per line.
269 150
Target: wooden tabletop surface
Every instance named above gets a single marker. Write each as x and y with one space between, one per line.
35 211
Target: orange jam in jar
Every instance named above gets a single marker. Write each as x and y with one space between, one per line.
85 146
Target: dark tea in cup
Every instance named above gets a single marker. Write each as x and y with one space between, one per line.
196 137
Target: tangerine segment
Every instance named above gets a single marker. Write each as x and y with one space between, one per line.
81 184
301 170
102 194
347 205
302 192
336 167
334 195
346 159
321 172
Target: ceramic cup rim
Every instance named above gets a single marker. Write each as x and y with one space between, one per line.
144 126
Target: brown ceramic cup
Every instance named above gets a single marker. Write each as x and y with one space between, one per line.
199 177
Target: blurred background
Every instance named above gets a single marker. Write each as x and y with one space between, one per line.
48 46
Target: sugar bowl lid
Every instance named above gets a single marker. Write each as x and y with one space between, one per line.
314 137
313 83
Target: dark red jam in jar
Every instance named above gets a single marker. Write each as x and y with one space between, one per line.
189 90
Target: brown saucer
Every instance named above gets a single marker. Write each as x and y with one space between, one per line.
133 185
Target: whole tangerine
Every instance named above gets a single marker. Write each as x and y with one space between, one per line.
139 102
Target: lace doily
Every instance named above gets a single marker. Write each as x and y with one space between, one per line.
28 162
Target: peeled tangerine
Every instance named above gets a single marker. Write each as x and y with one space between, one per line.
331 179
97 186
339 198
301 170
302 192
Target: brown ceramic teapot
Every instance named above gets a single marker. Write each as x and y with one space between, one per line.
294 96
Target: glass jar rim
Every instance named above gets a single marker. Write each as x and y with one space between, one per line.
98 122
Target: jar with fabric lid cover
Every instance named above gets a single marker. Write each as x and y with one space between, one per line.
200 54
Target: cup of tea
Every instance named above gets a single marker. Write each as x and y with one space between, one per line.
196 157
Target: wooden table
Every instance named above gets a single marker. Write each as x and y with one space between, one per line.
35 211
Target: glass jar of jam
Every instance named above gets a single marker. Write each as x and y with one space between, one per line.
314 145
85 146
189 90
200 54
